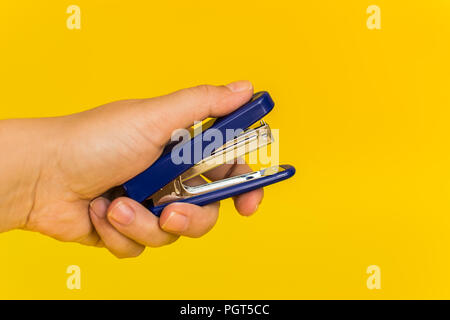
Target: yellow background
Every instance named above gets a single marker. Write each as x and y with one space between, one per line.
363 115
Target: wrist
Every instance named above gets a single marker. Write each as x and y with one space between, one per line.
26 144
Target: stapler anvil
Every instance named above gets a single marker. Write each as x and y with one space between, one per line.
164 181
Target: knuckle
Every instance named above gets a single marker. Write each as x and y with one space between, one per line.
163 240
207 227
119 255
204 90
206 93
128 252
200 233
136 253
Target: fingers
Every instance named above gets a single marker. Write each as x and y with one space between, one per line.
126 227
136 222
189 220
182 108
114 241
247 203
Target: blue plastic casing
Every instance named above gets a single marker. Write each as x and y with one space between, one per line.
232 191
164 170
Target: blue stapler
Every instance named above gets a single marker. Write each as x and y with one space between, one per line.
164 181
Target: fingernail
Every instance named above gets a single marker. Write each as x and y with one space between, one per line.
176 222
122 213
98 207
239 86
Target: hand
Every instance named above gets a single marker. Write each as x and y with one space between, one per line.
57 189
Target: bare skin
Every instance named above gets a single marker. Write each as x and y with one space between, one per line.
54 170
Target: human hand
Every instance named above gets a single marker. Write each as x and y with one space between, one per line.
82 156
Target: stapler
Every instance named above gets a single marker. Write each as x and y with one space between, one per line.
164 181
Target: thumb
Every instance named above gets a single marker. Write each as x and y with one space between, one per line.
182 108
